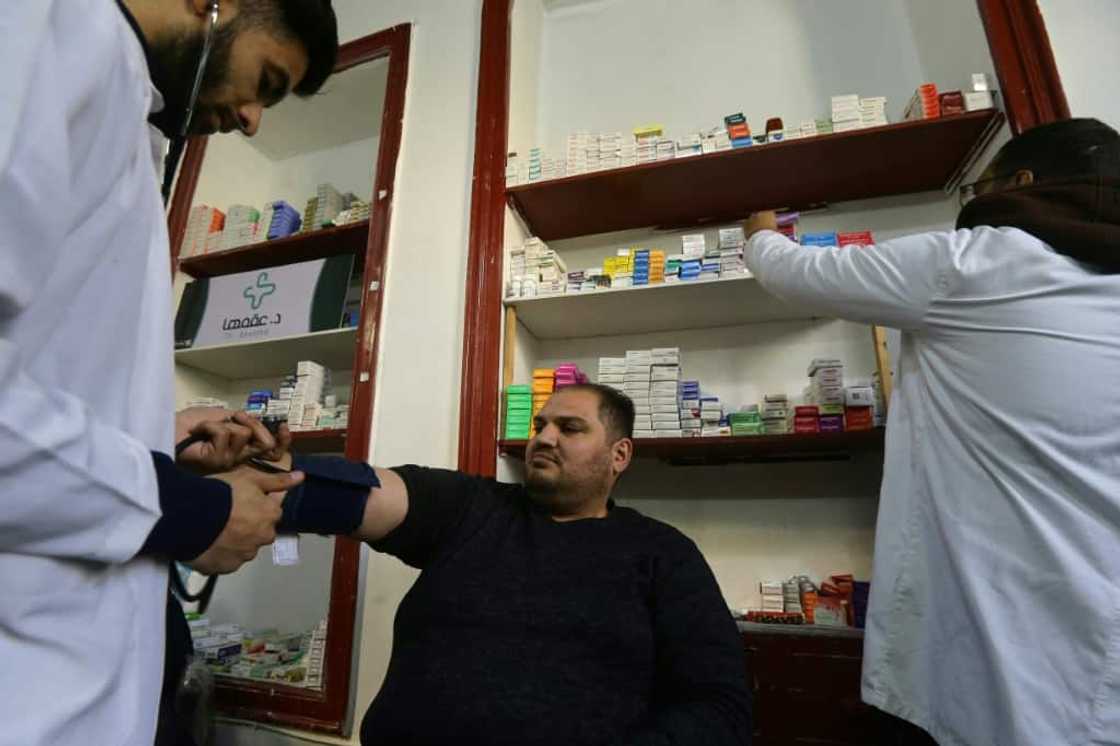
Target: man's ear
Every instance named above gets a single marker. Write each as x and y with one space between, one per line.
621 454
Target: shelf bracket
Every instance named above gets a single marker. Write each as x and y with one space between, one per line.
508 356
883 364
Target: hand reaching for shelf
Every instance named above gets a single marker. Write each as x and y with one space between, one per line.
766 220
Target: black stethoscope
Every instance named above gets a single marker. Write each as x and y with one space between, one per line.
171 164
178 144
207 43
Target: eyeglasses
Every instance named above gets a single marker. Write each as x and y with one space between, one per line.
969 192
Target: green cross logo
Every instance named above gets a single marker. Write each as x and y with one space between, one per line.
257 294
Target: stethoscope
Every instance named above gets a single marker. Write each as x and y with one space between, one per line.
178 144
171 164
207 43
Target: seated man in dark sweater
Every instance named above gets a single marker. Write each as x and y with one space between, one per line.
546 614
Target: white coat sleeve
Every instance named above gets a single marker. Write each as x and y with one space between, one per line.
70 486
892 283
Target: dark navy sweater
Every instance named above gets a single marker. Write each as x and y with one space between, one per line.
522 630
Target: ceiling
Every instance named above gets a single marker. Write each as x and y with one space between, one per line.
347 109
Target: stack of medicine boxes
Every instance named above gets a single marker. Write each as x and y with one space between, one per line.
691 424
612 372
656 266
665 373
544 383
746 421
646 139
576 154
282 220
241 226
567 374
826 390
620 268
309 211
846 113
636 385
203 221
773 598
738 131
306 395
641 266
519 411
775 414
711 416
692 256
710 264
731 243
328 204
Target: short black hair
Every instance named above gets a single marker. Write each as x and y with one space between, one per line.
616 409
310 22
1066 149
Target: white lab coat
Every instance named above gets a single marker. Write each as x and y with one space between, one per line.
86 385
995 604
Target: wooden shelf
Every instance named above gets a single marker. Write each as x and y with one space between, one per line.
696 304
753 629
273 357
328 440
723 187
760 448
303 247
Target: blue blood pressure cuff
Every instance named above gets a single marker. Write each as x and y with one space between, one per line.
331 499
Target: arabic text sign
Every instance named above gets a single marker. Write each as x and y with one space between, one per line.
262 304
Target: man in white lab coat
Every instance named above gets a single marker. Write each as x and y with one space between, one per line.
91 504
995 605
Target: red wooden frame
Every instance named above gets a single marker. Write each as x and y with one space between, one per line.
185 184
1028 76
478 410
1032 92
327 710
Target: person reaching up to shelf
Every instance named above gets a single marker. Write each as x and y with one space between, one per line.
94 505
993 612
543 614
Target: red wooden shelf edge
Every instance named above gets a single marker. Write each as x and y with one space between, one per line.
345 239
806 446
895 159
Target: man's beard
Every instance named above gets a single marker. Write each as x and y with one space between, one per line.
567 489
175 64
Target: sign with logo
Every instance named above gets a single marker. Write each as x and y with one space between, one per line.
264 304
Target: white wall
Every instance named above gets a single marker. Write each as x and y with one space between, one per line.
948 36
616 64
417 401
234 172
1085 36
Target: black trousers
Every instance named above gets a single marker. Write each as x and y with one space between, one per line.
174 726
898 732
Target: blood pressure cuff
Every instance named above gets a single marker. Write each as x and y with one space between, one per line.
331 499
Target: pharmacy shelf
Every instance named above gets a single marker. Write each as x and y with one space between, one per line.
333 348
696 304
721 187
303 247
759 448
327 440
